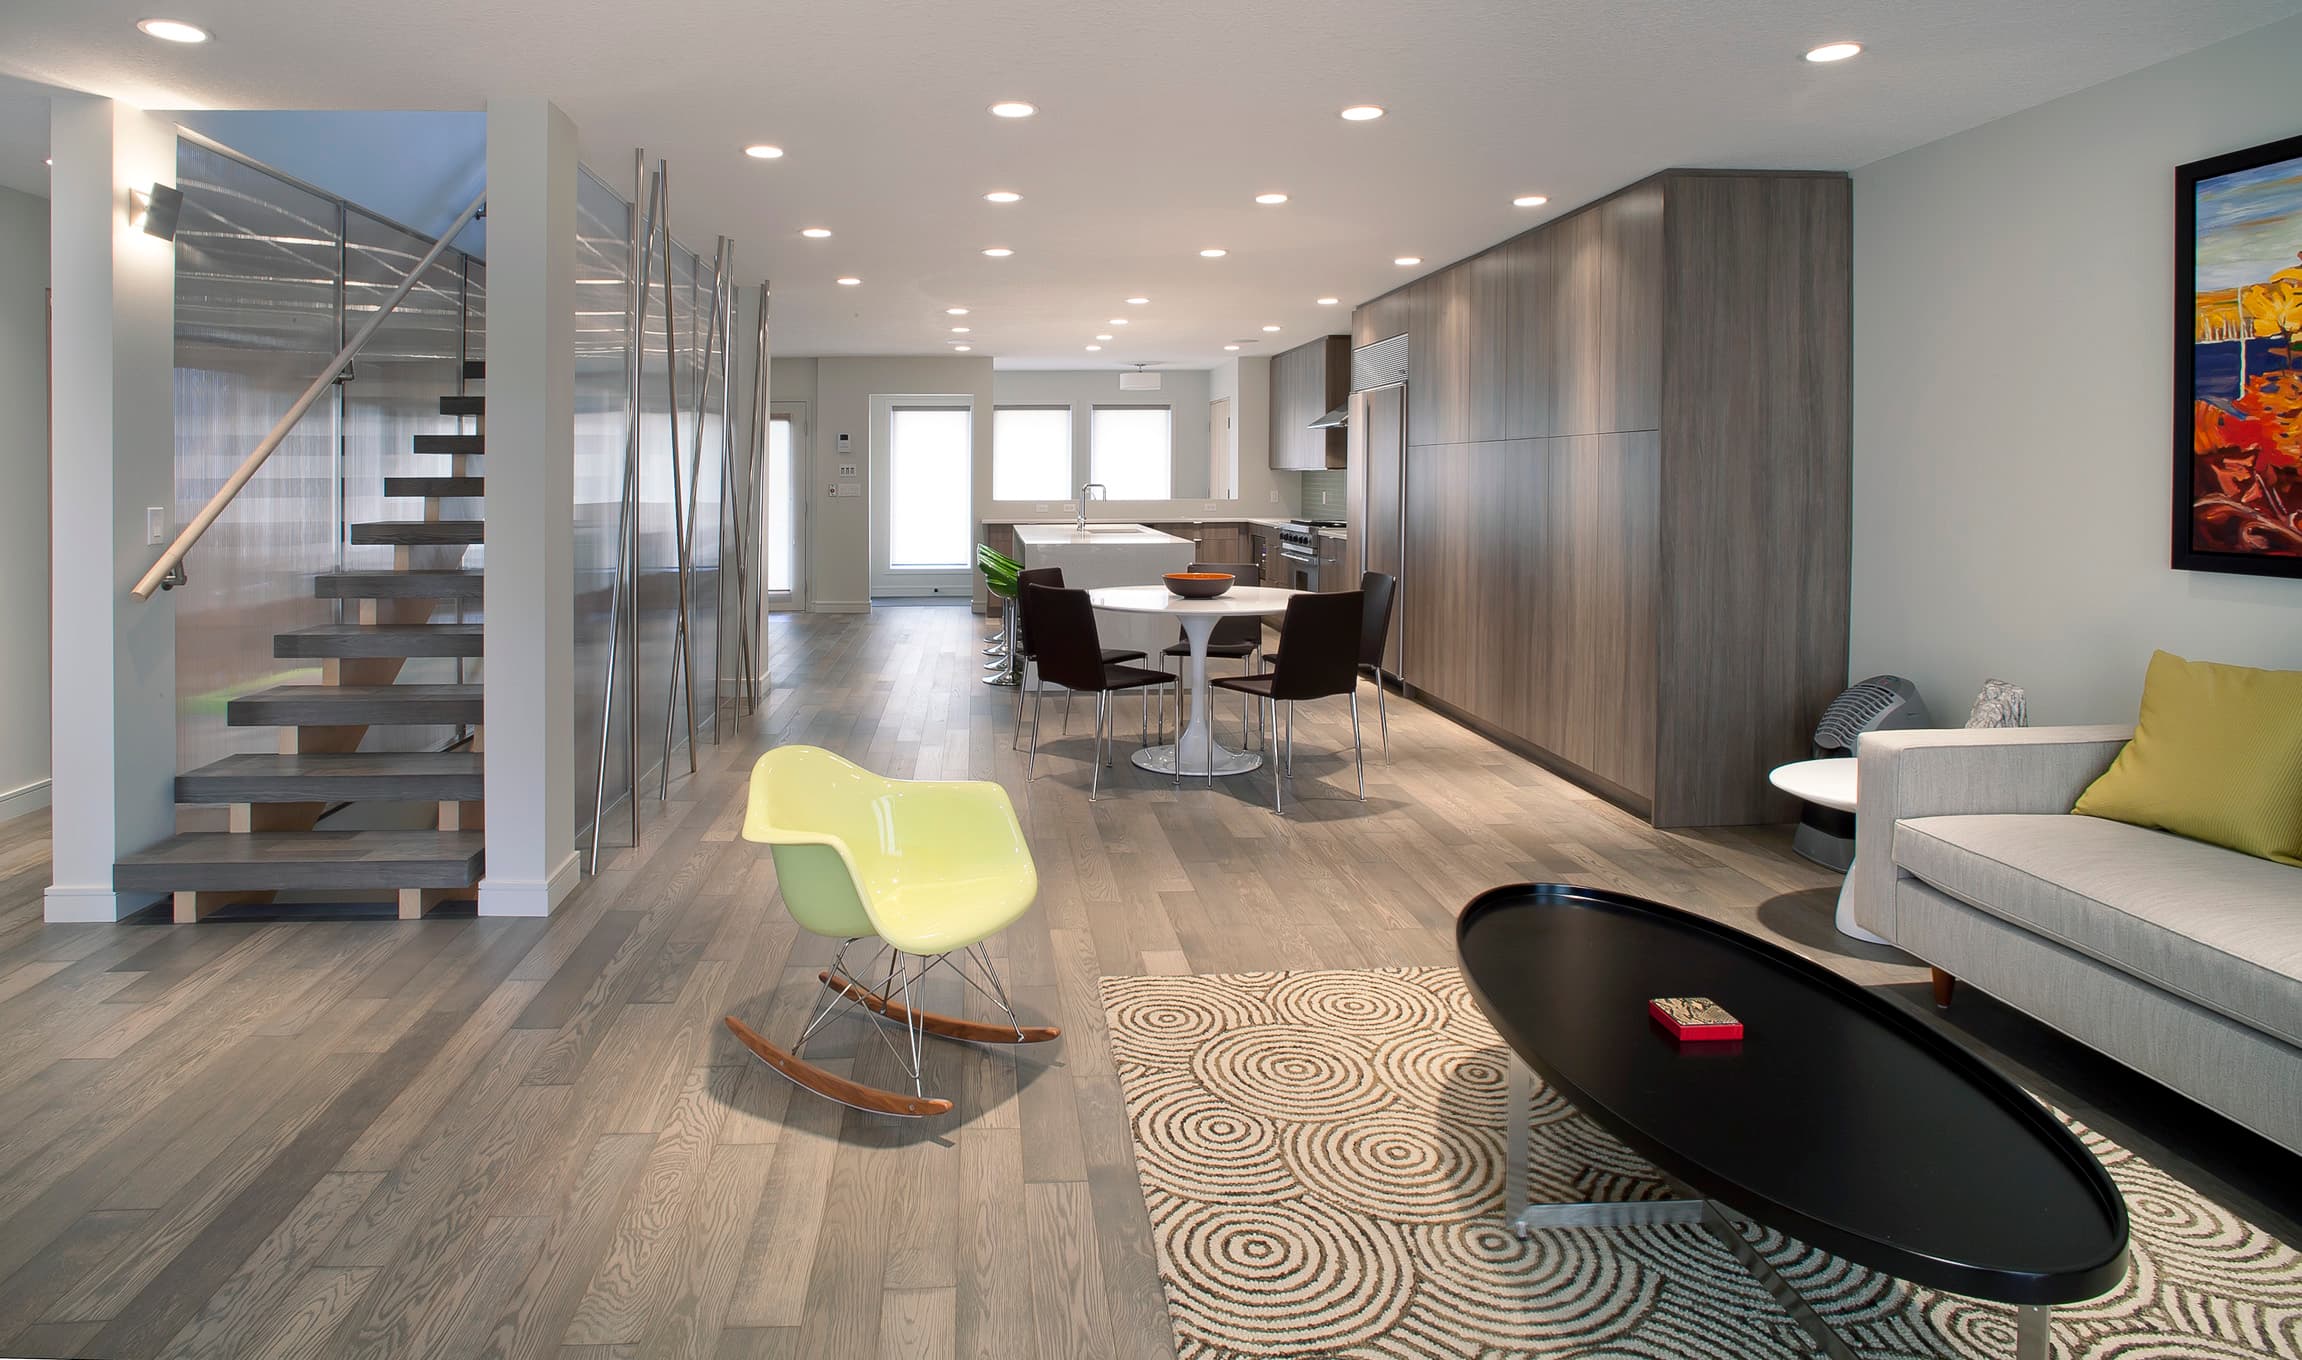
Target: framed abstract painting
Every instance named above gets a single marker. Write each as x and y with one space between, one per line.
2238 362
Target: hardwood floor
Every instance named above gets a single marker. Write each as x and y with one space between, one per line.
300 1137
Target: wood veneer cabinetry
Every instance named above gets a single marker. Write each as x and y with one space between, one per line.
1627 486
1307 382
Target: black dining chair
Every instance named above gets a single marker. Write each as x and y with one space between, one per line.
1318 658
1382 592
1061 627
1024 580
1232 639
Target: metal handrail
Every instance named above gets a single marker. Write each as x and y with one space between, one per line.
165 572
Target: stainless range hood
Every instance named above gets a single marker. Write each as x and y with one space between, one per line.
1337 419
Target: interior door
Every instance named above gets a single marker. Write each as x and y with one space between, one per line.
1222 453
783 529
1379 427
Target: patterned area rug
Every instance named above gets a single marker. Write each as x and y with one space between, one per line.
1322 1155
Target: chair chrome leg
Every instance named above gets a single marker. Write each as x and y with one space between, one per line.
1357 745
1278 766
1095 753
1031 767
1067 711
1383 713
1290 739
1016 742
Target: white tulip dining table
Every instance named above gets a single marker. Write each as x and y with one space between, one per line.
1195 750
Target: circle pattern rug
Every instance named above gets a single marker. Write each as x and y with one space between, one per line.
1322 1156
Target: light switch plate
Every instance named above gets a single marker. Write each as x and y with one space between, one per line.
155 524
847 470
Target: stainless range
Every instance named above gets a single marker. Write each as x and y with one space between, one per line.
1299 551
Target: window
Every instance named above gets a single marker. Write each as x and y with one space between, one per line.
1031 453
1134 452
928 493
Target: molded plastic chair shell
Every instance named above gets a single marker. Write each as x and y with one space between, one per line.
930 866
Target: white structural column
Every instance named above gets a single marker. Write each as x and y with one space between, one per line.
113 713
530 467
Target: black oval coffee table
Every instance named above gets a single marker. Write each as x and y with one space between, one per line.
1839 1118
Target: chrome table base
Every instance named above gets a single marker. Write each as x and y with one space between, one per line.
2032 1322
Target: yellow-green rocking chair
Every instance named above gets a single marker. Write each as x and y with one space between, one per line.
932 869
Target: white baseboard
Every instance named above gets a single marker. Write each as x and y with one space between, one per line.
30 798
527 897
62 904
839 607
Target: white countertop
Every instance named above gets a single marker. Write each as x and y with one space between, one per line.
1264 521
1103 535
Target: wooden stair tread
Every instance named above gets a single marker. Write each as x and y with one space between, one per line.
218 861
463 406
362 640
355 585
420 532
474 487
450 443
404 776
356 705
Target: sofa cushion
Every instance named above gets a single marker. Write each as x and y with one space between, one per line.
2214 926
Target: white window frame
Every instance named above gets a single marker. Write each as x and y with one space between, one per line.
1064 488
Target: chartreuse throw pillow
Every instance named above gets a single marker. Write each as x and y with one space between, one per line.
2216 756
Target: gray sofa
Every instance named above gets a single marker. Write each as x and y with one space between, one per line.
2180 959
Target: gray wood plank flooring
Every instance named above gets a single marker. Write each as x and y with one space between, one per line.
456 1137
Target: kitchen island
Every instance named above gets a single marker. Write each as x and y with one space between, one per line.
1101 555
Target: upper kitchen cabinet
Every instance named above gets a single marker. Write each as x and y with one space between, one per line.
1380 319
1307 382
1604 319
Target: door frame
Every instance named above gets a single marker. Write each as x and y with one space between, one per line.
881 579
793 600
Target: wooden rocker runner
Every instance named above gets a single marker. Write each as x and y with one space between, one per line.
930 869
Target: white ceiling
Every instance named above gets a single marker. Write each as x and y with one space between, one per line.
1158 124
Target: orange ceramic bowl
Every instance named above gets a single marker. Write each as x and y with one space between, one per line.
1198 585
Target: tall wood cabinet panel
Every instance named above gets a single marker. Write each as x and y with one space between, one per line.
1757 418
1627 486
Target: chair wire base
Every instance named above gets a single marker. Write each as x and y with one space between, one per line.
897 984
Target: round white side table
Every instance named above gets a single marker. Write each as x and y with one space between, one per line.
1829 783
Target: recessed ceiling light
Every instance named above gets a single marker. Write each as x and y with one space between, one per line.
1408 259
1213 253
815 233
1529 201
172 30
1137 302
1329 302
1118 321
959 330
1003 196
764 152
1102 337
955 311
1230 347
1270 328
961 349
1837 51
847 281
1093 348
999 252
1013 108
1270 198
1363 113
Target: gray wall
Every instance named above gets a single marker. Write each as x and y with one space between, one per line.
24 510
2013 395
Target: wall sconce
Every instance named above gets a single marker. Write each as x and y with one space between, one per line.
155 210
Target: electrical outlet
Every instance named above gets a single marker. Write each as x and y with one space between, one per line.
155 524
1039 509
1274 495
847 470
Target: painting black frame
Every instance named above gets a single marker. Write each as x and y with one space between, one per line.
2186 177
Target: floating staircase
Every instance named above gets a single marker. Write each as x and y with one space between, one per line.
276 842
